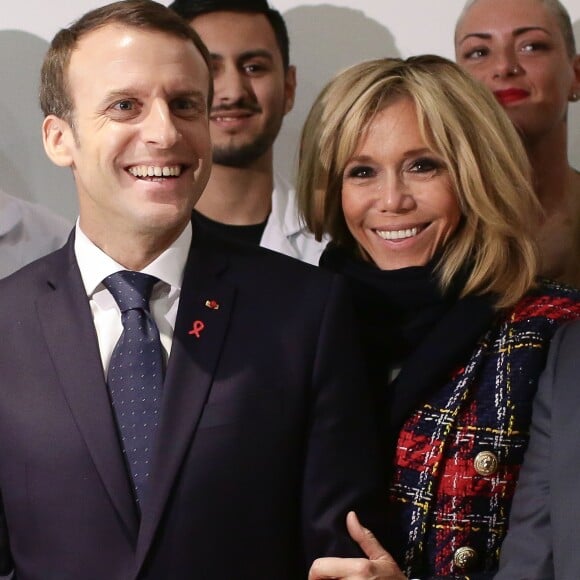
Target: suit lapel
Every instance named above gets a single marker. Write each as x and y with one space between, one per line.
204 311
67 324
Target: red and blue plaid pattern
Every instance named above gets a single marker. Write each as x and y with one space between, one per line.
438 500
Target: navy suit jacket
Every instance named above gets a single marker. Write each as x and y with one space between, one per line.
265 441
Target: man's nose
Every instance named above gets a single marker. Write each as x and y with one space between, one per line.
159 126
230 86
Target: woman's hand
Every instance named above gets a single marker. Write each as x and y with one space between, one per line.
379 565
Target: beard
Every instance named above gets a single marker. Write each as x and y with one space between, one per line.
241 156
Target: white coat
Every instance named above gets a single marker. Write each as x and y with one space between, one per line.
284 231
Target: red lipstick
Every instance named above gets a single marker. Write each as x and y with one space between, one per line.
508 96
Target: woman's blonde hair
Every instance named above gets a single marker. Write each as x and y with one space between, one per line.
461 122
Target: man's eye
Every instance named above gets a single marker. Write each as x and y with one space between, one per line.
188 106
254 68
123 109
124 105
183 104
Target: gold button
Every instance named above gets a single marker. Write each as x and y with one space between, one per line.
486 463
464 557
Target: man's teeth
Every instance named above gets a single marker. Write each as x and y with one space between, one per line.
155 171
397 234
226 119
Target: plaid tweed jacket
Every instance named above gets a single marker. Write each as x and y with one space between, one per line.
458 457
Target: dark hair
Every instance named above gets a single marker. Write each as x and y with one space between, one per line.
189 9
55 98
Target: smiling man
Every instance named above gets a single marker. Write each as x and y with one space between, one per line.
165 401
254 89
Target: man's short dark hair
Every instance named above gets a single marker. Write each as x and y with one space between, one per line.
189 9
55 98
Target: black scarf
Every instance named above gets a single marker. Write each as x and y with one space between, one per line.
407 321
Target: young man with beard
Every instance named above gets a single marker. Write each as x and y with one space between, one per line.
254 89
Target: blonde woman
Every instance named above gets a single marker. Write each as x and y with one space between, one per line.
422 183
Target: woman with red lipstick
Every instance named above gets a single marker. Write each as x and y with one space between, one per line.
524 51
418 176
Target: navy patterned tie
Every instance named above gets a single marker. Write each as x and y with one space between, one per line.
135 375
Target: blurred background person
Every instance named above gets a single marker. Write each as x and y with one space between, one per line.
421 182
27 231
524 51
254 88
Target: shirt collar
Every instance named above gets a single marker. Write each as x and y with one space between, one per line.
95 265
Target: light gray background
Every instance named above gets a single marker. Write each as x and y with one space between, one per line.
325 37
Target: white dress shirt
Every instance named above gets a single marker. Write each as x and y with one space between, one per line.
95 266
285 231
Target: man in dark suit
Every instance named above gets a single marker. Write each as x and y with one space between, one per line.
542 541
241 462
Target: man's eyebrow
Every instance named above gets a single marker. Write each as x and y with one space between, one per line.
516 32
115 95
189 93
256 53
246 55
128 93
118 94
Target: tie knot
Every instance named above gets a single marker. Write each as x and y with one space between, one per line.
130 289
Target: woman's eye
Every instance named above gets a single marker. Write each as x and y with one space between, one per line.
476 53
360 172
533 47
425 165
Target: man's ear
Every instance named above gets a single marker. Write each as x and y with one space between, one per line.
290 88
59 140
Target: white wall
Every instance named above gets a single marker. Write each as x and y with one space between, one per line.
325 37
